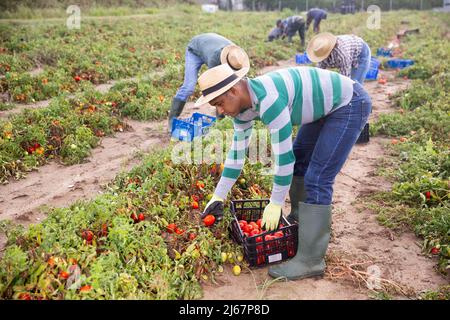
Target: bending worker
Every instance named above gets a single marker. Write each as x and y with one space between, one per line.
210 49
331 111
317 15
348 53
289 27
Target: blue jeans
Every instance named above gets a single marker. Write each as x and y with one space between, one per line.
192 66
359 74
322 147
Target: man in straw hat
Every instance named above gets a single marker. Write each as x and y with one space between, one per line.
331 111
289 27
349 53
210 49
317 15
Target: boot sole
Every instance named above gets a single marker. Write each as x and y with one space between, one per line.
317 275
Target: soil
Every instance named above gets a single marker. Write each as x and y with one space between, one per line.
355 229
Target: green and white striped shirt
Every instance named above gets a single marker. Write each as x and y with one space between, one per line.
281 99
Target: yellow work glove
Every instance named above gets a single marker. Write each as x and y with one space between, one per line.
271 216
214 207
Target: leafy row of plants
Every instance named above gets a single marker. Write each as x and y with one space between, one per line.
147 98
141 239
420 146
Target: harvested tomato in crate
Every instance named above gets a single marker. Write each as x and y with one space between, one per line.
261 247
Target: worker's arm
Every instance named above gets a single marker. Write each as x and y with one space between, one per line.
235 158
275 114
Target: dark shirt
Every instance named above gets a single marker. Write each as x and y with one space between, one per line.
317 14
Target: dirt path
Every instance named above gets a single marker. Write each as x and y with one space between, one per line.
55 184
356 232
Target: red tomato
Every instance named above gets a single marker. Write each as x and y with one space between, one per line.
209 220
248 228
258 222
195 197
200 185
428 195
192 236
269 237
254 233
25 296
241 225
255 226
435 250
179 231
134 217
77 78
278 234
243 221
64 275
141 217
260 260
259 239
85 288
194 205
87 235
171 228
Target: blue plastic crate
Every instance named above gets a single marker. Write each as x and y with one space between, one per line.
302 58
383 52
373 71
187 129
399 63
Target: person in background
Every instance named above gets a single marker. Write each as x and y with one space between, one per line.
210 49
289 27
317 15
348 53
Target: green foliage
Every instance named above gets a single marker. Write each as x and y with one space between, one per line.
420 193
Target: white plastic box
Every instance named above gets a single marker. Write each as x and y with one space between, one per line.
210 8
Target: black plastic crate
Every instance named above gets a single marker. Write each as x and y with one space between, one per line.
257 250
364 136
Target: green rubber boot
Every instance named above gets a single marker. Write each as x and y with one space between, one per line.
297 194
175 111
313 237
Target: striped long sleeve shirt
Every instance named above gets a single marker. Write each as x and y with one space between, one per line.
282 99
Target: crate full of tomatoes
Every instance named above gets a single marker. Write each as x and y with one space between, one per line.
261 247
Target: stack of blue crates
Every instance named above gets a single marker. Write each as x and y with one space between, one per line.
188 129
399 63
302 58
373 71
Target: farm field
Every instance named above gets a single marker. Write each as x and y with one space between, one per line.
89 187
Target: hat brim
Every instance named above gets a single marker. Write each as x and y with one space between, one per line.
331 38
205 99
227 49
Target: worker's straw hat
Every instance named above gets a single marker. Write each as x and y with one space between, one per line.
320 47
236 57
218 80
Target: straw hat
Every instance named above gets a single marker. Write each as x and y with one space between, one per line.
236 57
320 47
218 80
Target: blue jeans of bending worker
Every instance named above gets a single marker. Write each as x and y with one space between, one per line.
292 30
322 147
316 26
359 73
192 66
